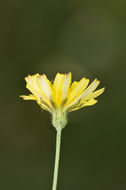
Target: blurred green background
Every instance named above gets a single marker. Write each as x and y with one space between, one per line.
88 38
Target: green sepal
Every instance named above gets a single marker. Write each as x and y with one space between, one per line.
59 119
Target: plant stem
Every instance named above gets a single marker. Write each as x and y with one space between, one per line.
57 156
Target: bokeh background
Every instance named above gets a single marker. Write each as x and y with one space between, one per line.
88 38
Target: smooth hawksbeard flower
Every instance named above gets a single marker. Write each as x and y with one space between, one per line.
61 96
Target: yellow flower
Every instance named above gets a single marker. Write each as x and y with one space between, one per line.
61 97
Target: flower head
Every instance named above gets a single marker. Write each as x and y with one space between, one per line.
61 96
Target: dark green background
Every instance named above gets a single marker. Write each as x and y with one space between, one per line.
88 38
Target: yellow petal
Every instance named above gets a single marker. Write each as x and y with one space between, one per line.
66 84
30 97
87 103
60 87
39 86
73 85
43 106
33 86
45 86
75 92
83 94
91 88
94 94
76 89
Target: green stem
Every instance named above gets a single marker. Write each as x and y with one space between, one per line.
57 156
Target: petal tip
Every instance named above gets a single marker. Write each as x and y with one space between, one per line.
69 73
22 96
97 80
103 89
27 78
